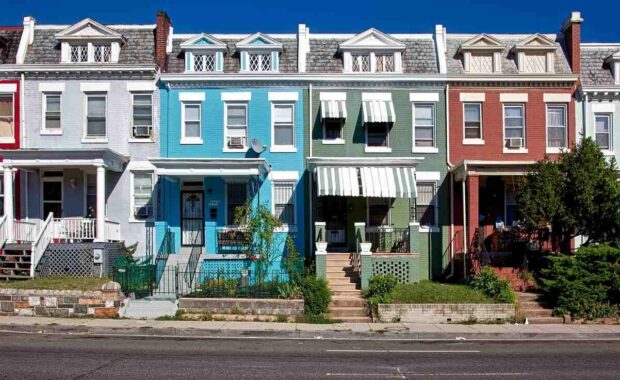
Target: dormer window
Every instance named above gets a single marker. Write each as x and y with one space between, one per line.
614 64
535 54
372 52
102 53
79 53
89 42
482 55
204 53
259 53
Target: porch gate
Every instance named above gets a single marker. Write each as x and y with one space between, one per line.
192 218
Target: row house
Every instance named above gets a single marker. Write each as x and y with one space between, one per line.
510 103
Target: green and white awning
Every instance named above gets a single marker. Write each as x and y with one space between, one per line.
333 109
370 181
378 111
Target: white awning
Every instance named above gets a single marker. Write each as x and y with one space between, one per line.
207 167
378 111
370 181
333 109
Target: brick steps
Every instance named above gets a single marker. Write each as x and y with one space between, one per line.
15 262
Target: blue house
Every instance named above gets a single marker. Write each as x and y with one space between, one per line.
228 140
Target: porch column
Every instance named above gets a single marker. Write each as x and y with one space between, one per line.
9 202
473 208
100 204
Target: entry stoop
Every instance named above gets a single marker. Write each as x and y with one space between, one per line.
347 303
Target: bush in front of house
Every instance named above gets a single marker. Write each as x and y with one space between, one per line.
317 296
379 289
492 286
585 285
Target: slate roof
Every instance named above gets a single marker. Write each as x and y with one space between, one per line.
509 63
594 70
288 56
419 56
138 49
11 37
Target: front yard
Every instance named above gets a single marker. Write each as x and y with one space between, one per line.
436 293
58 283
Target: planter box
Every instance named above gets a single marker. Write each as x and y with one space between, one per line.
446 313
243 305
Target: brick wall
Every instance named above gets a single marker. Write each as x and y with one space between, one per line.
445 313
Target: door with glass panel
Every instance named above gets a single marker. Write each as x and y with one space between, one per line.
52 196
192 218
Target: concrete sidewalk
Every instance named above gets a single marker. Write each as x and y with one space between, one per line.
404 331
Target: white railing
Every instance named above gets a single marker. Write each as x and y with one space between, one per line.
24 230
42 240
112 231
74 228
4 231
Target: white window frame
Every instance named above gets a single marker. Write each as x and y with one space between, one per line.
338 141
350 56
435 203
96 139
523 149
294 182
247 125
191 140
44 129
90 52
204 62
424 149
132 196
11 139
133 138
282 148
387 226
564 107
377 149
609 117
469 140
260 54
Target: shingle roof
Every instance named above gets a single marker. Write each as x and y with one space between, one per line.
11 37
594 70
138 49
288 56
509 64
418 58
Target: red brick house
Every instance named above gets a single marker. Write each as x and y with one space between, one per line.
510 103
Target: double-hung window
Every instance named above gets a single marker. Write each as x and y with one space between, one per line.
236 125
142 195
283 116
284 201
96 115
424 206
51 112
424 125
142 118
603 131
472 115
377 135
379 212
556 126
514 125
332 129
7 117
191 122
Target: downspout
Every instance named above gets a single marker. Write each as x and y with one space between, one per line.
310 228
464 222
451 182
22 126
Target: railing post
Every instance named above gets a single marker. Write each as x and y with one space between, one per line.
366 264
319 232
321 260
100 220
8 203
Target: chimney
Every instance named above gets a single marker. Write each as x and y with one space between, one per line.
303 47
572 38
26 40
163 40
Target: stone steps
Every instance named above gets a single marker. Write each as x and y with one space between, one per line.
346 312
347 301
533 307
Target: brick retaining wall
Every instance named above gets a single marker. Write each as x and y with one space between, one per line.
244 305
445 313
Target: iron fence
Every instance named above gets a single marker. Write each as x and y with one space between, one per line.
389 240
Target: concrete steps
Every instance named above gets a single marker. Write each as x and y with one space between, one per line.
535 309
15 262
347 304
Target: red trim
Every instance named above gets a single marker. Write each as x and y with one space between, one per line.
16 133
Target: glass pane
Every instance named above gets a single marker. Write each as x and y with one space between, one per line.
236 115
52 191
602 139
96 127
333 129
516 122
555 116
52 122
283 114
96 106
472 112
602 124
377 135
192 129
6 127
6 105
424 133
472 132
283 135
514 132
53 103
192 112
423 115
513 112
556 137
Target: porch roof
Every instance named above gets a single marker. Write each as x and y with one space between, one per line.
206 167
490 168
58 158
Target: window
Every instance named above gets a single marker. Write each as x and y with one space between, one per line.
332 129
102 53
379 213
284 202
191 121
236 125
142 118
603 131
142 196
377 135
360 63
260 61
481 63
511 204
384 63
283 116
204 62
236 196
472 120
535 63
514 126
51 111
95 116
52 194
79 53
424 207
7 119
424 125
556 126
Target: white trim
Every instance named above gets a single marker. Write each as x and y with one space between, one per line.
557 98
377 149
423 97
470 141
226 148
291 96
473 142
8 87
132 216
523 149
192 96
471 97
44 130
141 86
382 96
133 138
52 87
59 179
282 148
143 166
603 107
94 139
513 98
427 176
10 139
515 151
423 149
283 175
565 108
236 96
285 227
337 96
95 87
333 142
191 140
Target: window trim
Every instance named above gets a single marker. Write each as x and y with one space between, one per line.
282 148
10 140
132 137
431 228
44 130
338 141
261 53
609 116
132 200
424 149
245 104
191 140
564 107
469 140
524 148
285 227
96 139
350 54
377 149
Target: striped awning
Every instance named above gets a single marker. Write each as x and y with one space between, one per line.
378 111
333 109
371 182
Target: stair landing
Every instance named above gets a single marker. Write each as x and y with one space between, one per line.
347 303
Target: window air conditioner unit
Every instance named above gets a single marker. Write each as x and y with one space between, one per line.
236 142
142 131
515 142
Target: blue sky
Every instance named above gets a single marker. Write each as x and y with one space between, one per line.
350 16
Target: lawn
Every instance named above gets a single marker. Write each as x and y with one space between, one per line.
433 292
58 283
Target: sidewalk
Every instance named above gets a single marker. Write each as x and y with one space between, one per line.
391 331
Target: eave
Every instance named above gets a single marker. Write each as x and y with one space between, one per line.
89 68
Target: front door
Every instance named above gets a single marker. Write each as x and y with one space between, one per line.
52 197
333 210
192 218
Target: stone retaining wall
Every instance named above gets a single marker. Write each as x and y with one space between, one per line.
242 305
62 303
446 313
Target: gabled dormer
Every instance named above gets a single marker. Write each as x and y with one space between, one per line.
614 64
204 53
89 42
535 54
259 53
372 51
482 54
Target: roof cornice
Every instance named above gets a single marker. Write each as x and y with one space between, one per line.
201 77
89 68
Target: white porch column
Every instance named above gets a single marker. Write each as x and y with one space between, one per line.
9 202
100 204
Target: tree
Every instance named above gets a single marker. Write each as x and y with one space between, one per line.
576 194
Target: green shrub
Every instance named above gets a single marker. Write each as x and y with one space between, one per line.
586 285
493 286
316 295
380 289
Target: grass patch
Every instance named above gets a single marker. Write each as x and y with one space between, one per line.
315 319
433 292
58 283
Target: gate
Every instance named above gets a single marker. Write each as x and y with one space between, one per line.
192 218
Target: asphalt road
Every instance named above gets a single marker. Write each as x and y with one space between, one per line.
35 356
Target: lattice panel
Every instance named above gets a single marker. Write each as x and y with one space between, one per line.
67 260
360 63
399 268
79 53
265 62
103 53
385 63
223 265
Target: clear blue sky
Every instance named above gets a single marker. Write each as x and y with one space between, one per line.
602 18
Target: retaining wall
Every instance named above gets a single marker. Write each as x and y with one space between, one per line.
242 305
446 313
